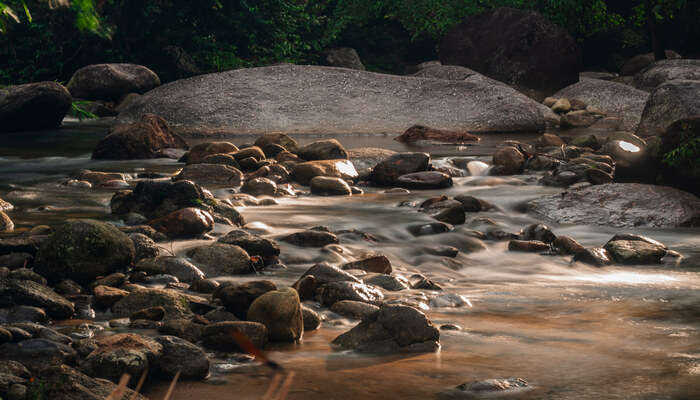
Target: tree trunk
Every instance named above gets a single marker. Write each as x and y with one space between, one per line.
657 45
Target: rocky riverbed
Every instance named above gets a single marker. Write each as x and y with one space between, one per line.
510 266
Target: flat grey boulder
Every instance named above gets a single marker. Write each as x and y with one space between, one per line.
314 99
620 205
666 70
668 103
610 97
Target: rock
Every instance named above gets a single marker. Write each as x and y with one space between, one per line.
594 256
304 172
433 228
281 139
451 215
33 106
6 224
204 286
155 199
509 160
199 152
374 263
388 282
224 159
183 356
186 222
549 140
612 98
489 388
254 245
37 354
561 106
280 311
329 186
579 119
219 259
685 177
28 275
249 152
521 48
155 313
365 158
221 336
641 61
329 149
62 382
664 71
238 298
528 246
175 304
424 180
567 245
22 314
449 300
259 187
633 251
82 250
393 328
30 293
184 328
332 292
324 273
106 296
16 260
121 353
5 336
210 174
387 172
144 246
312 320
418 132
353 309
345 57
310 238
111 81
538 232
142 139
473 204
307 99
669 102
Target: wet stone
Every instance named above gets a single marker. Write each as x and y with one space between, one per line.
333 292
532 246
388 282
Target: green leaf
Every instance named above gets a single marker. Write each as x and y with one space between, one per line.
26 12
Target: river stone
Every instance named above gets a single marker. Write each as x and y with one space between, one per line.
155 199
419 133
106 296
30 293
388 282
176 305
281 139
473 204
62 382
424 180
111 81
518 47
37 354
210 174
332 292
641 61
373 263
508 161
595 256
259 187
663 71
304 172
22 314
237 298
432 228
6 224
225 159
528 246
567 245
5 205
324 273
365 158
451 215
181 355
314 99
329 186
391 329
280 311
312 320
488 388
310 238
141 139
187 222
200 151
388 171
353 309
144 246
121 353
220 335
33 106
635 251
254 245
612 98
669 102
219 259
328 149
620 205
539 232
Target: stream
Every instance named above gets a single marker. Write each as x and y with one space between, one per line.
571 331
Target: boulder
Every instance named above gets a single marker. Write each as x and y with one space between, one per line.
389 170
121 353
180 355
312 320
33 106
220 259
669 102
221 158
142 139
518 47
328 149
111 81
663 71
365 158
634 249
106 296
175 304
238 298
620 205
418 133
187 222
612 98
313 99
561 106
30 293
82 250
199 151
596 256
344 57
210 174
222 336
392 329
304 172
324 273
641 61
529 246
388 282
280 312
508 161
424 180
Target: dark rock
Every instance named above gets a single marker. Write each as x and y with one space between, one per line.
509 160
16 260
62 382
238 298
37 354
259 187
389 170
518 47
204 286
539 232
186 222
281 139
330 293
21 244
329 149
176 305
111 81
528 246
324 273
254 245
27 275
221 336
641 61
142 139
387 282
249 152
106 296
304 172
22 314
179 267
567 245
433 228
183 356
490 387
549 140
155 199
329 186
344 57
210 174
473 204
23 292
393 328
121 353
376 263
312 320
5 336
425 284
452 215
353 309
219 259
310 238
200 151
663 71
145 247
635 251
183 328
33 106
155 313
669 102
424 180
594 256
280 311
225 159
418 133
82 250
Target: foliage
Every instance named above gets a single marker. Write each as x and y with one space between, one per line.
77 110
687 154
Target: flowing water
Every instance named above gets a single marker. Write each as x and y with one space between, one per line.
571 331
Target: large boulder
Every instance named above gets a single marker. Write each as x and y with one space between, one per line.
641 61
314 99
280 312
344 57
391 329
111 81
668 103
32 106
82 250
520 48
612 98
142 139
454 73
620 205
667 70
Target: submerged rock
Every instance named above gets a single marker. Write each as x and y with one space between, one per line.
310 238
221 336
332 292
424 180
